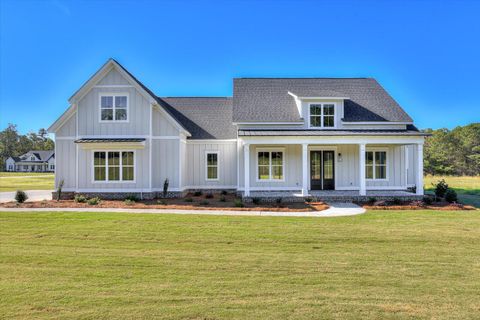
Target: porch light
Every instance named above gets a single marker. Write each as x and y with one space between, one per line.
340 157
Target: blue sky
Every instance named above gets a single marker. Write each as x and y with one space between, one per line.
425 53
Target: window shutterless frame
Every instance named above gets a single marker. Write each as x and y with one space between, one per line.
322 115
113 95
217 165
270 165
92 171
374 165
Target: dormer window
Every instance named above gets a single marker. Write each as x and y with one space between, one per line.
32 158
322 115
114 108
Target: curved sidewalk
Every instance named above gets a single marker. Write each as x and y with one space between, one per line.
335 210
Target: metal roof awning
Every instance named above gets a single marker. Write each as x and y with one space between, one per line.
310 133
111 143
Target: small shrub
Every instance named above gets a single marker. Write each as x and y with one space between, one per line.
165 188
222 199
451 196
397 201
197 193
308 200
79 198
209 196
21 196
59 190
131 197
256 200
238 203
224 192
204 203
188 200
162 202
441 188
93 201
371 200
278 200
417 203
129 202
427 200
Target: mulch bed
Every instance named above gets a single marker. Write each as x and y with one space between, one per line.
213 204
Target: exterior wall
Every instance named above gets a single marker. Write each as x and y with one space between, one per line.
65 151
113 77
10 162
51 161
165 163
195 173
68 129
89 114
161 126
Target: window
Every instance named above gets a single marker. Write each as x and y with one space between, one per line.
269 165
32 158
114 108
212 165
113 166
376 165
10 167
322 115
52 167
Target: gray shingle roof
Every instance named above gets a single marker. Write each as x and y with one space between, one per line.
267 99
204 117
43 155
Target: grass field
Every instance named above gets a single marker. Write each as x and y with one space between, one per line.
12 181
468 188
380 265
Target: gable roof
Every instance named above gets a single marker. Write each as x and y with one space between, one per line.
268 99
42 155
204 117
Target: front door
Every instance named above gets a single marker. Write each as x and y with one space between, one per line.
322 170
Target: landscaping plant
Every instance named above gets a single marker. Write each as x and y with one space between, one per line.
451 196
93 201
59 190
79 198
209 195
21 196
238 203
256 200
165 188
441 188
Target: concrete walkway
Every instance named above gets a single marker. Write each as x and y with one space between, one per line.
33 195
336 210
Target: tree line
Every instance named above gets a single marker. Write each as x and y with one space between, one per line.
453 152
14 144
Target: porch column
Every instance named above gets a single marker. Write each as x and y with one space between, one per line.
246 165
419 179
304 169
362 182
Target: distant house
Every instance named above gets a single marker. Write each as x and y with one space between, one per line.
32 161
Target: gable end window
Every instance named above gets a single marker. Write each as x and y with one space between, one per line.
113 108
270 165
212 165
376 165
113 166
322 115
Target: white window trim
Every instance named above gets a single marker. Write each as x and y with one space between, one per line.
120 166
335 111
113 94
270 150
206 165
386 150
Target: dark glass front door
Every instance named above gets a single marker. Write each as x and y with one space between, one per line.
322 170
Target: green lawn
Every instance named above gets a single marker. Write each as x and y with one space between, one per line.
12 181
380 265
468 188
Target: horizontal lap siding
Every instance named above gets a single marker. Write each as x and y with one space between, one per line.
195 174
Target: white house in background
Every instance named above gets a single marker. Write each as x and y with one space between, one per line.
34 161
295 136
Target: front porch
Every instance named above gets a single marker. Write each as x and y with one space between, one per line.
330 195
332 168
